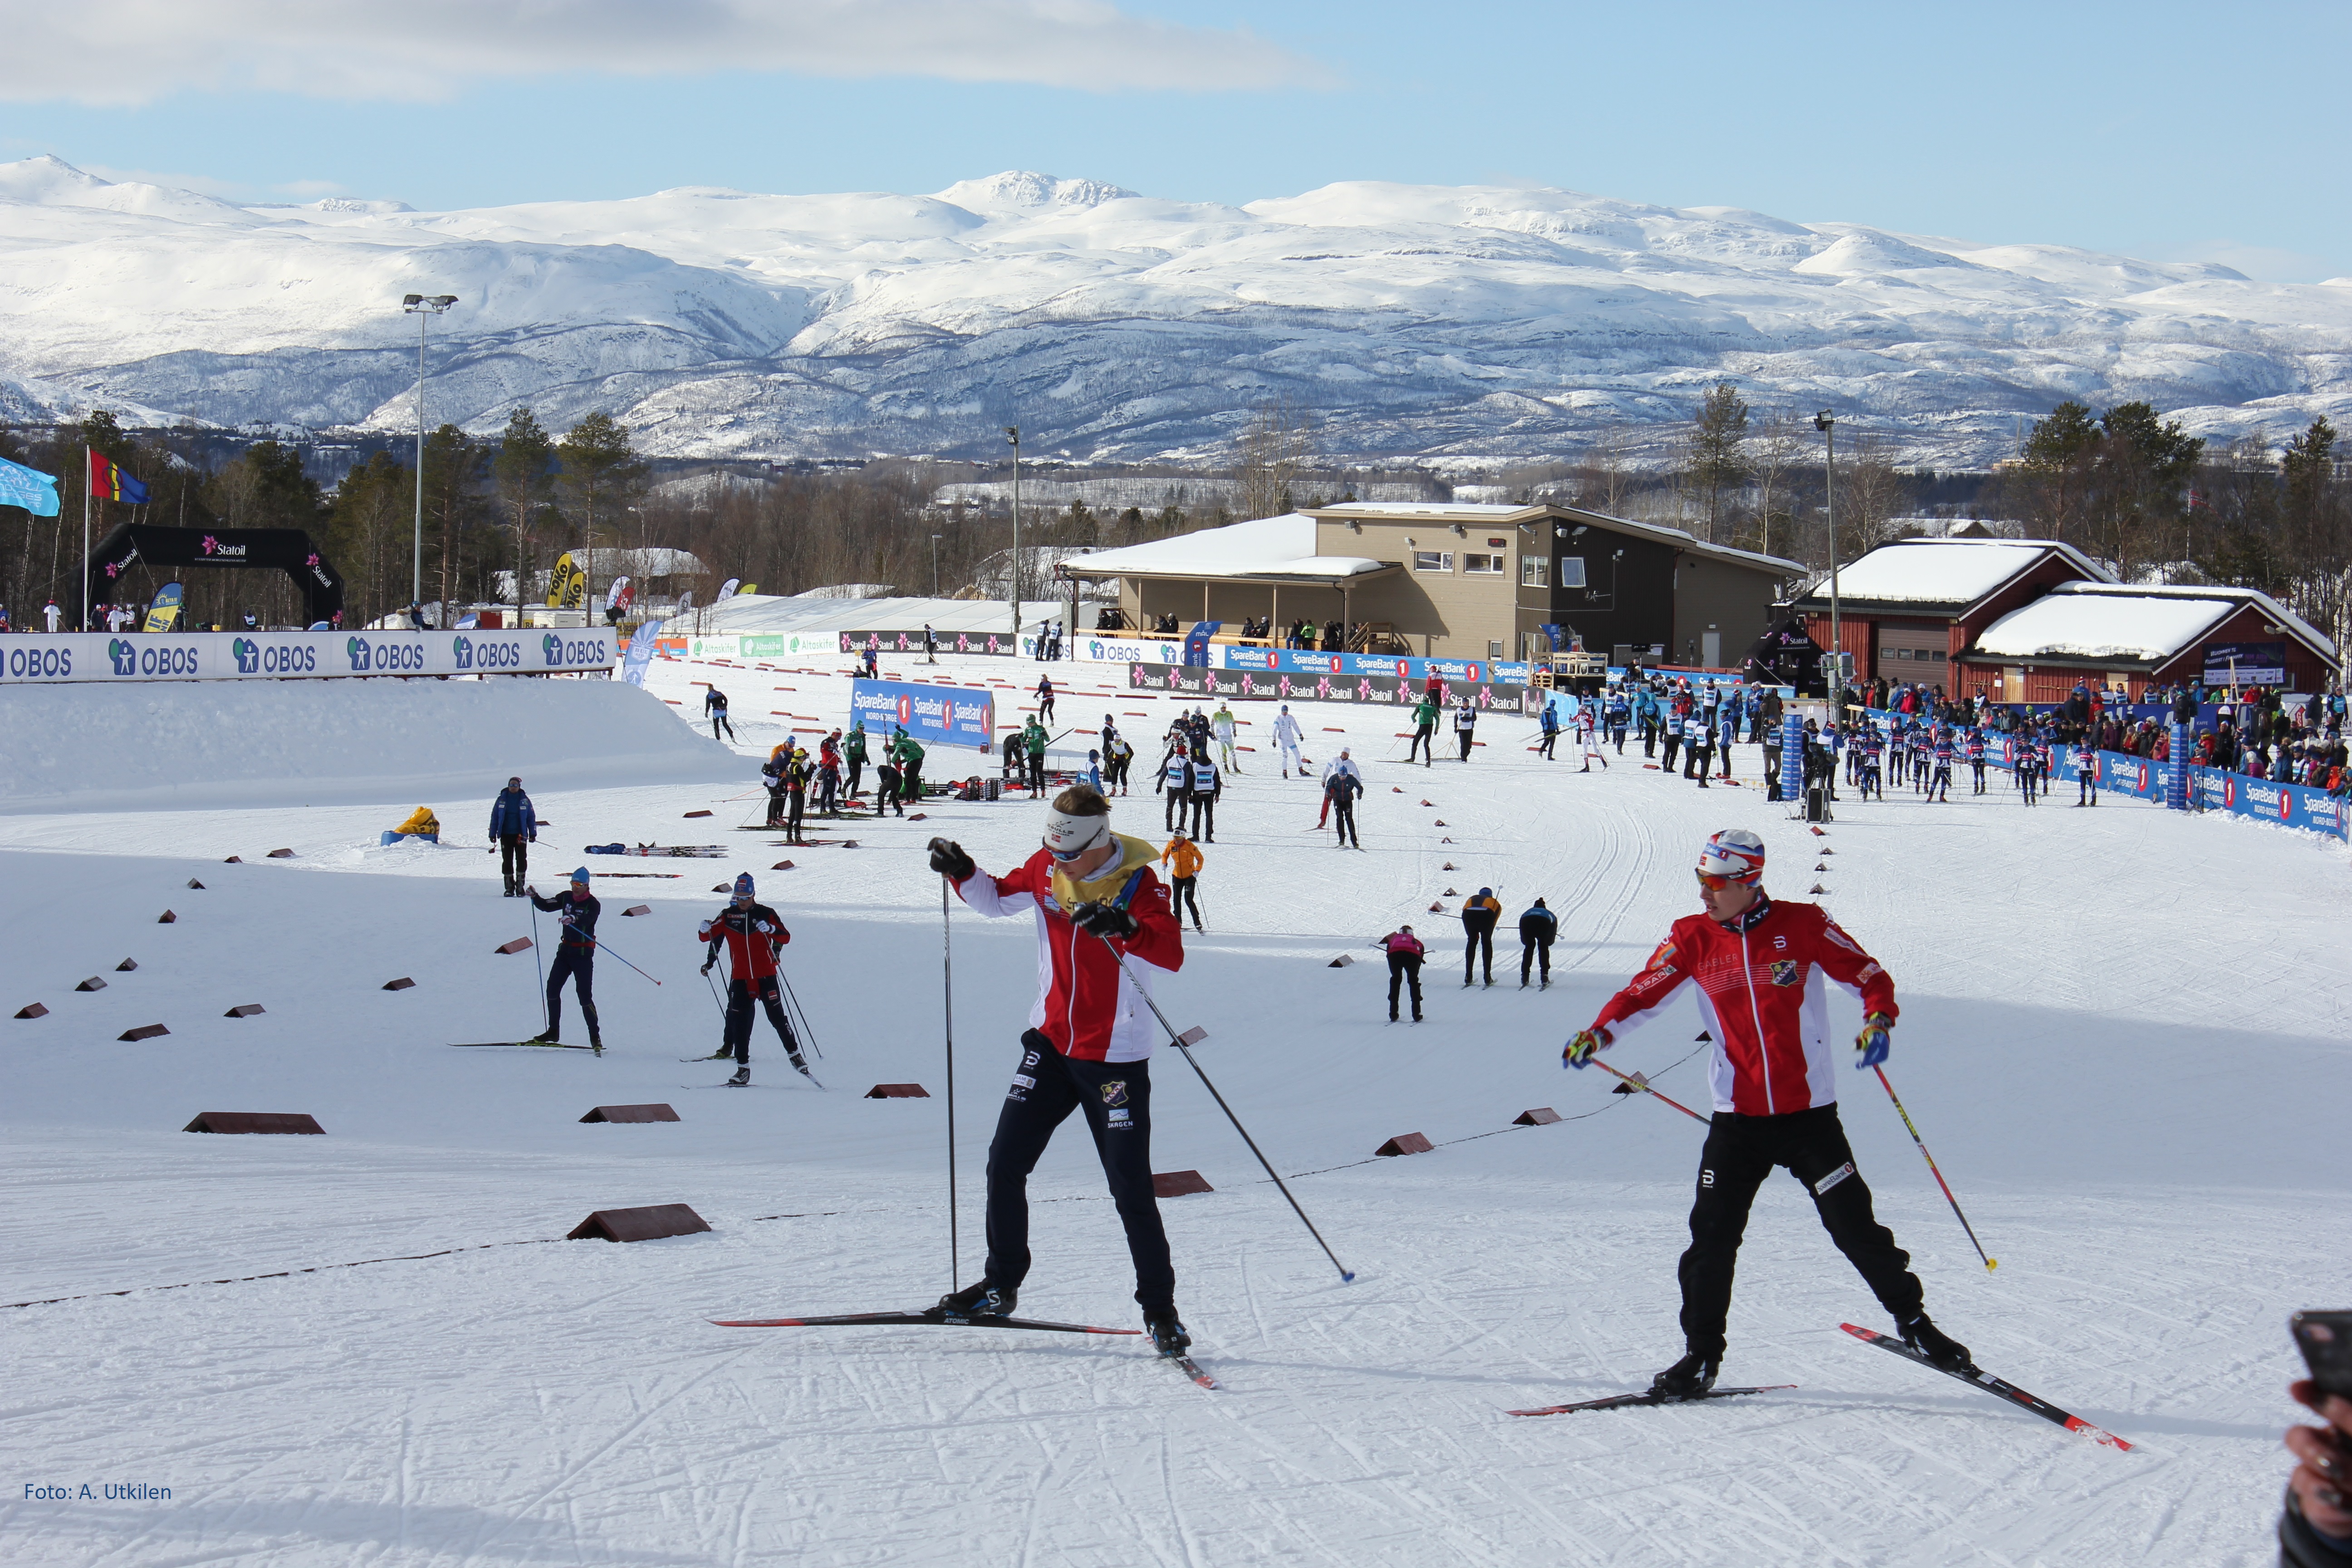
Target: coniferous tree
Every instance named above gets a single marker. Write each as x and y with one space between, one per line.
524 474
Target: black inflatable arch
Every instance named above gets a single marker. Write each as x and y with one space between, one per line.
287 550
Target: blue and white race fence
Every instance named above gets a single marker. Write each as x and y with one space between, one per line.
88 657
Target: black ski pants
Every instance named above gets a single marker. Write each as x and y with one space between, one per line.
1183 895
577 964
718 717
1117 1099
1404 968
514 859
1464 736
856 767
1532 949
1344 809
770 994
1204 818
1423 739
792 823
1178 799
1740 1152
1550 739
1480 937
1674 745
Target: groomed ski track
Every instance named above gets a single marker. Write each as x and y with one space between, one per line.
2121 1037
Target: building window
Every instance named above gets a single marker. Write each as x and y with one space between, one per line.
1485 563
1572 571
1432 561
1532 571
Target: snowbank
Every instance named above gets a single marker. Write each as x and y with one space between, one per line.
207 744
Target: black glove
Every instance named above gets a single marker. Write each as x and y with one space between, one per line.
1103 919
949 859
707 963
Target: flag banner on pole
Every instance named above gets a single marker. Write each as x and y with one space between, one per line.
109 482
34 491
567 586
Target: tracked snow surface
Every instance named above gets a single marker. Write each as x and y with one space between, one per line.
2123 1035
1468 324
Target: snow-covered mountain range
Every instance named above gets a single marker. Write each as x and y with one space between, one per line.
1469 326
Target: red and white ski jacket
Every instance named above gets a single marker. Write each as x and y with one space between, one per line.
1084 1004
1761 989
752 937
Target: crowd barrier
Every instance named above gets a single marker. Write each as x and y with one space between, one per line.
90 656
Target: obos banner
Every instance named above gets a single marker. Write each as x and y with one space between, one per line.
951 715
280 655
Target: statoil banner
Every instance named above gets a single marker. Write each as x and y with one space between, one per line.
1248 686
1003 645
949 715
288 655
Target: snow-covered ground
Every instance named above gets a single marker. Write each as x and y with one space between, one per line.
2123 1037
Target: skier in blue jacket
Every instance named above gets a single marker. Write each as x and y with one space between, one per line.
514 827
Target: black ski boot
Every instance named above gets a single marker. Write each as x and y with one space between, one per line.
742 1077
801 1064
1168 1335
544 1037
981 1300
722 1053
1947 1353
1688 1378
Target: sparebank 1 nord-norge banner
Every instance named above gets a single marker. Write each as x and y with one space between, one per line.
285 656
951 715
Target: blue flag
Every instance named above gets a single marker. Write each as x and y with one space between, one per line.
34 491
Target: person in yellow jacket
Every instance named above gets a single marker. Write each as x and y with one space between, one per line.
1183 858
1480 911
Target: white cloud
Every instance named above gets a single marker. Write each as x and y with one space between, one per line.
135 51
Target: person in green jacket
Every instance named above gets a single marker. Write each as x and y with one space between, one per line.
1032 737
1424 728
909 758
853 750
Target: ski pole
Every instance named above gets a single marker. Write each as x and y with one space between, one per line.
714 992
538 959
1184 1043
1989 1263
800 1013
1644 1085
608 948
947 986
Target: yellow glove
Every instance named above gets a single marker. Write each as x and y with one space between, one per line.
1579 1049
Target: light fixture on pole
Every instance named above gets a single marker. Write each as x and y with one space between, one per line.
424 306
935 566
1013 436
1827 425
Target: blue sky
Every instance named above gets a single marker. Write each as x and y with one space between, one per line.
2162 130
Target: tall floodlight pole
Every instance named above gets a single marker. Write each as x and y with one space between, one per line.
424 306
1827 425
1012 434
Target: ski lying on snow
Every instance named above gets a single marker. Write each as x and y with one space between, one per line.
1192 1369
1622 1401
525 1045
933 1318
1994 1386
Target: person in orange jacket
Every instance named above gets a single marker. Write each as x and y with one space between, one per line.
1183 857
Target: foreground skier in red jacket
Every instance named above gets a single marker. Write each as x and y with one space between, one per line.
1088 1044
1758 967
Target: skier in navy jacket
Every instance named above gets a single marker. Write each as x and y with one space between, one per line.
514 827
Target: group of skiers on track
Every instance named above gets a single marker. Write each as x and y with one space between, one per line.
1107 926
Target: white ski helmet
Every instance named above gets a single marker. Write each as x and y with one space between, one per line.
1734 854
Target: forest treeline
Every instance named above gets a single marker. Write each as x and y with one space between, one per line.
2124 484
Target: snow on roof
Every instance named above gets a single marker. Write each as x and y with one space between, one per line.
2129 625
1945 571
1269 547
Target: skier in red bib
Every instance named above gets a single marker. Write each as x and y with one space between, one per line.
1759 968
1095 900
753 934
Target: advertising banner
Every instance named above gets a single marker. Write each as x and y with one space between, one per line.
642 645
1250 686
2288 805
935 715
283 656
1001 644
759 645
1117 650
2138 776
2245 664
